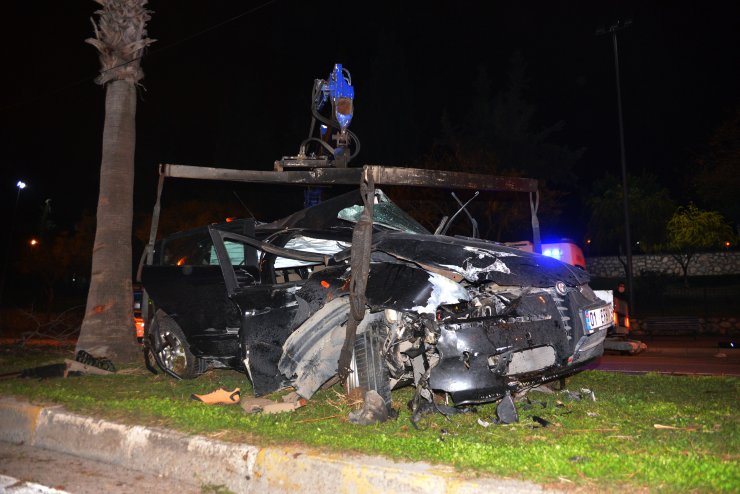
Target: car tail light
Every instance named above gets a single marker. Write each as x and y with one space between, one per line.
139 322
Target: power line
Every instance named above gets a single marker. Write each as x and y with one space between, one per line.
155 51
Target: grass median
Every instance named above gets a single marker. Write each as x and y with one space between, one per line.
652 432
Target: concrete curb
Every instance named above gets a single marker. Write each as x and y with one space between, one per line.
241 468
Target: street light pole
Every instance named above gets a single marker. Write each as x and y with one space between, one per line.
20 186
618 26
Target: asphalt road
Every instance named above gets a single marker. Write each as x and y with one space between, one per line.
79 476
674 360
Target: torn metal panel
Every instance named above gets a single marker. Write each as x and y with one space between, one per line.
311 352
303 243
444 292
481 261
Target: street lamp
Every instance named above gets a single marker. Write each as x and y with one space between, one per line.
20 185
618 26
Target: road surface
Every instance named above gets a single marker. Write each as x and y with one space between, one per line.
690 359
80 476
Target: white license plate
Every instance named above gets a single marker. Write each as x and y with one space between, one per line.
598 318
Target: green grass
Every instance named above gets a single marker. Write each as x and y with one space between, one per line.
608 445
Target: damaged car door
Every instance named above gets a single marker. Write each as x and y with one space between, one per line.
274 297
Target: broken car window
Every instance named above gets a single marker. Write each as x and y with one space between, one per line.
190 250
385 213
234 249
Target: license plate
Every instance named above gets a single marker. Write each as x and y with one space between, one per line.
598 318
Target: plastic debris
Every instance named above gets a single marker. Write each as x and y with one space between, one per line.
101 362
587 393
219 397
573 395
45 371
543 388
506 411
483 423
541 421
424 407
373 411
579 459
290 402
283 407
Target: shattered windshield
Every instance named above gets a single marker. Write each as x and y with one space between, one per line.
385 213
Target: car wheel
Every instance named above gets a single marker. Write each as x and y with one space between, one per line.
368 364
172 352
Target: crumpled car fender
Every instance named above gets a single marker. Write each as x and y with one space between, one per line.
479 261
406 288
311 352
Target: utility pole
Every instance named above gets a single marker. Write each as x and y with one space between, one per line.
20 186
613 29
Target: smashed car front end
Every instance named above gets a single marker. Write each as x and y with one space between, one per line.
488 321
482 357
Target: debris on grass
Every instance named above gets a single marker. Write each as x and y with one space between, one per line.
543 388
99 362
373 411
691 428
587 393
67 369
541 421
584 393
573 395
506 411
218 397
267 406
317 419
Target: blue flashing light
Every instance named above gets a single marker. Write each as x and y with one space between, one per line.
342 93
555 253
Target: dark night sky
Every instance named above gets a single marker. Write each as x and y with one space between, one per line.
237 96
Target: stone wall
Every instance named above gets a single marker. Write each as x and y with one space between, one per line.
725 326
705 264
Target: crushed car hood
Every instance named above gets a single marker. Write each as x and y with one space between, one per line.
478 261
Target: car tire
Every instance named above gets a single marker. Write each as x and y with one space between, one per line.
175 357
370 369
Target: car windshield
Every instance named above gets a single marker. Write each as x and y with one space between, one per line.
385 213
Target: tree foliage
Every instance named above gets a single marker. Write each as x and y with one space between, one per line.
717 178
650 209
499 136
59 257
187 214
691 230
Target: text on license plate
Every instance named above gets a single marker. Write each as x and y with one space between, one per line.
598 318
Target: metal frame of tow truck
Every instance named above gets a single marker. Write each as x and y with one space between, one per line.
367 176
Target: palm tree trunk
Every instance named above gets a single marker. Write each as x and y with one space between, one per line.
108 327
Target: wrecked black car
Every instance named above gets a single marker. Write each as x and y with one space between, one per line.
466 317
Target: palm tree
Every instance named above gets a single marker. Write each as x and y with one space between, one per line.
120 37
